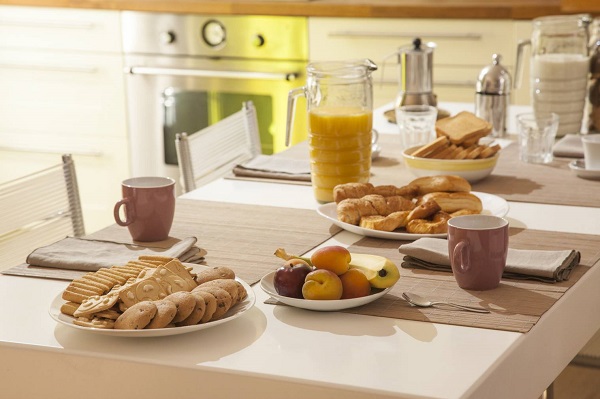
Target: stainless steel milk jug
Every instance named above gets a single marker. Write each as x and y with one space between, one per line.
492 95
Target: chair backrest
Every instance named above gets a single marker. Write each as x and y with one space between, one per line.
37 210
213 151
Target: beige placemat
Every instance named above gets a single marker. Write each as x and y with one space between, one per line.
513 180
242 237
516 304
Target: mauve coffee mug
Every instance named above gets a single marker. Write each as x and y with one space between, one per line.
149 204
477 247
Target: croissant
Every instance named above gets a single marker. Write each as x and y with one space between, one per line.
452 202
351 210
359 190
390 222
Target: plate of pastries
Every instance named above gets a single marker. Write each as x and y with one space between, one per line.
421 208
152 296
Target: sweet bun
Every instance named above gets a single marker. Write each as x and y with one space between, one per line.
452 202
450 183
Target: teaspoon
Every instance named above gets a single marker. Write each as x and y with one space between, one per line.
417 300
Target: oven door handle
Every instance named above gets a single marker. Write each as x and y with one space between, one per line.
203 73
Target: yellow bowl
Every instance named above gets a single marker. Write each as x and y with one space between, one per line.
471 169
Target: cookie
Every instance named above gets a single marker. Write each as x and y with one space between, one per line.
94 323
97 304
165 313
214 273
110 314
136 317
242 293
211 305
147 289
69 308
227 284
185 303
224 300
196 315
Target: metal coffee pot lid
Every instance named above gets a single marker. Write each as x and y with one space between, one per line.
494 78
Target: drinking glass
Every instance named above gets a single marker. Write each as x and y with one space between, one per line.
537 132
416 124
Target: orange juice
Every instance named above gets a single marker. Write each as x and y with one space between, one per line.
340 148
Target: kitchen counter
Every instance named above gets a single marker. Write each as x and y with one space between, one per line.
477 9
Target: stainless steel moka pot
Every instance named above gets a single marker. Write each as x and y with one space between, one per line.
416 75
492 96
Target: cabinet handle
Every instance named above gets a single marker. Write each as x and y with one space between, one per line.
41 150
47 24
350 33
136 70
53 68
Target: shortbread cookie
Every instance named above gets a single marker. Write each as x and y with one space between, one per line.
136 317
69 308
214 273
94 323
97 304
110 314
224 300
166 311
227 284
185 303
76 294
211 305
147 289
196 315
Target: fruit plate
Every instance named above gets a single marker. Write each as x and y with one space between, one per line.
233 313
266 283
492 205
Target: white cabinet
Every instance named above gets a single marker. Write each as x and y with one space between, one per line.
61 74
463 48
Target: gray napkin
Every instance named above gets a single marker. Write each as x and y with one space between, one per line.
569 146
274 167
546 266
91 255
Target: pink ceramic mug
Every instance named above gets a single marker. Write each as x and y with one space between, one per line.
477 246
149 207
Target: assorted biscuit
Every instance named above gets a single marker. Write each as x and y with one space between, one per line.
149 293
429 202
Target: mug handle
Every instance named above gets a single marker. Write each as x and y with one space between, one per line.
460 257
374 136
129 218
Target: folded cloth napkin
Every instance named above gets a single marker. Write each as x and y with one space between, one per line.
274 167
546 266
569 146
91 255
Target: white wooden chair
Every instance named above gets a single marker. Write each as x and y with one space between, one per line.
213 151
37 210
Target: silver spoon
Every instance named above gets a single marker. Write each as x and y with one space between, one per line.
417 300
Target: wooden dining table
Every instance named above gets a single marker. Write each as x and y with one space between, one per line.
278 351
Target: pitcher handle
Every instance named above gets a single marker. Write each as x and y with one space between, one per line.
292 96
519 66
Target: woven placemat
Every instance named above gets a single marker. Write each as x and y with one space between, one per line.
242 237
516 304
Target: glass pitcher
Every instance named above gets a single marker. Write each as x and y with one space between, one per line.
339 101
559 68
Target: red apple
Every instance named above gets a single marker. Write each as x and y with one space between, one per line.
289 278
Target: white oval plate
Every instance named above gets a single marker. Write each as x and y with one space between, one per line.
266 283
578 167
232 314
492 205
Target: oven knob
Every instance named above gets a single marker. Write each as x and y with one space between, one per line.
213 33
167 37
258 40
